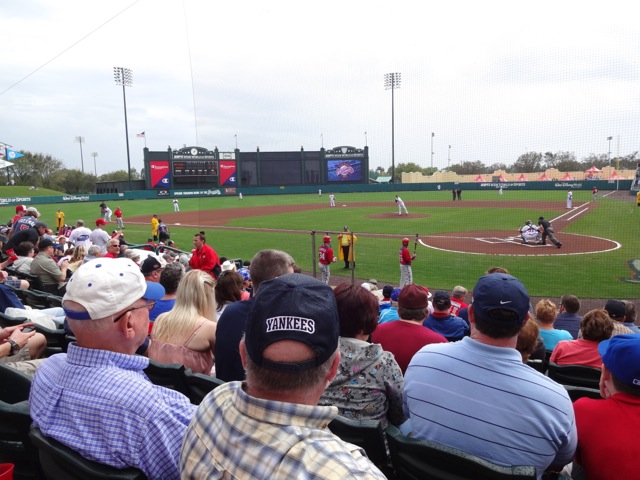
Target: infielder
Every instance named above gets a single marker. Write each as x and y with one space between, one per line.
325 258
530 233
176 205
401 206
569 198
406 274
332 200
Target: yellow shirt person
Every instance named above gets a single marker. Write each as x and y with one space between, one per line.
154 227
347 251
59 219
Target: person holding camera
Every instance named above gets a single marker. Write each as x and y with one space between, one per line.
21 346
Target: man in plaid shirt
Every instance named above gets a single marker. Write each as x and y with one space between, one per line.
271 425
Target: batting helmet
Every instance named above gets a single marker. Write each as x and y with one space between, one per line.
405 241
528 222
326 239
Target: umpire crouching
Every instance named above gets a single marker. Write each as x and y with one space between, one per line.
547 231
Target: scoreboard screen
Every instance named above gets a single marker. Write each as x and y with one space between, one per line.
195 168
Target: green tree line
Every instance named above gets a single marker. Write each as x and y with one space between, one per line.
41 170
529 162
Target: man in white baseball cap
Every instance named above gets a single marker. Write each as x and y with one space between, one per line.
99 388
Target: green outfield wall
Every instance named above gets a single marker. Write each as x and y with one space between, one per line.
603 185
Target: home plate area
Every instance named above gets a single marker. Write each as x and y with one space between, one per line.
504 243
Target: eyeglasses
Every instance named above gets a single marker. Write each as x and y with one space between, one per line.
148 306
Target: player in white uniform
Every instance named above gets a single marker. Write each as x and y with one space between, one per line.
530 233
332 200
569 198
401 206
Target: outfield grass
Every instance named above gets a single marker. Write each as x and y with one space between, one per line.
587 276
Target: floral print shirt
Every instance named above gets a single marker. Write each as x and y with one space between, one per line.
368 384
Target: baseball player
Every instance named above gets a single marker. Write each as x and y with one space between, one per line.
594 193
530 233
569 198
332 200
401 206
325 258
406 275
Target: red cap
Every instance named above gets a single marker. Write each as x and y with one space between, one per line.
20 208
413 297
100 221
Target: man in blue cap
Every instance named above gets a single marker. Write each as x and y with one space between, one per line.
96 398
607 429
476 395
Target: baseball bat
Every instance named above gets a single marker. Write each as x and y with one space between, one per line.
415 244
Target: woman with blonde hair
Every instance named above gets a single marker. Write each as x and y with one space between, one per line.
187 333
77 258
546 312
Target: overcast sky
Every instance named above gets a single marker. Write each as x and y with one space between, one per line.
493 79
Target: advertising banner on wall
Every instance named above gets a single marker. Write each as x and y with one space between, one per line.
159 174
228 175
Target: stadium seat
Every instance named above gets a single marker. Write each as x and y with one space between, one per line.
367 434
537 364
15 445
56 339
200 385
169 375
14 385
54 301
576 375
36 299
415 459
9 321
578 392
61 462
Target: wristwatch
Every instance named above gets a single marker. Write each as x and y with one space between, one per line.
15 348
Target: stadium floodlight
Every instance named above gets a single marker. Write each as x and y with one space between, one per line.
80 140
95 168
124 77
391 82
609 140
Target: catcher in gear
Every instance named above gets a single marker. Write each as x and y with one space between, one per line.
529 233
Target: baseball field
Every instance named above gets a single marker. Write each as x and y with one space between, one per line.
454 242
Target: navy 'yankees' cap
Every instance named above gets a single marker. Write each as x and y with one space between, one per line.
293 307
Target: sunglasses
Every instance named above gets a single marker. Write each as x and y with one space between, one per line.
148 306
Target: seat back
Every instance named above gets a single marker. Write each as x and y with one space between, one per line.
537 364
415 459
34 281
56 339
169 375
200 385
36 299
15 445
14 385
576 375
578 392
9 321
367 434
54 301
59 461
